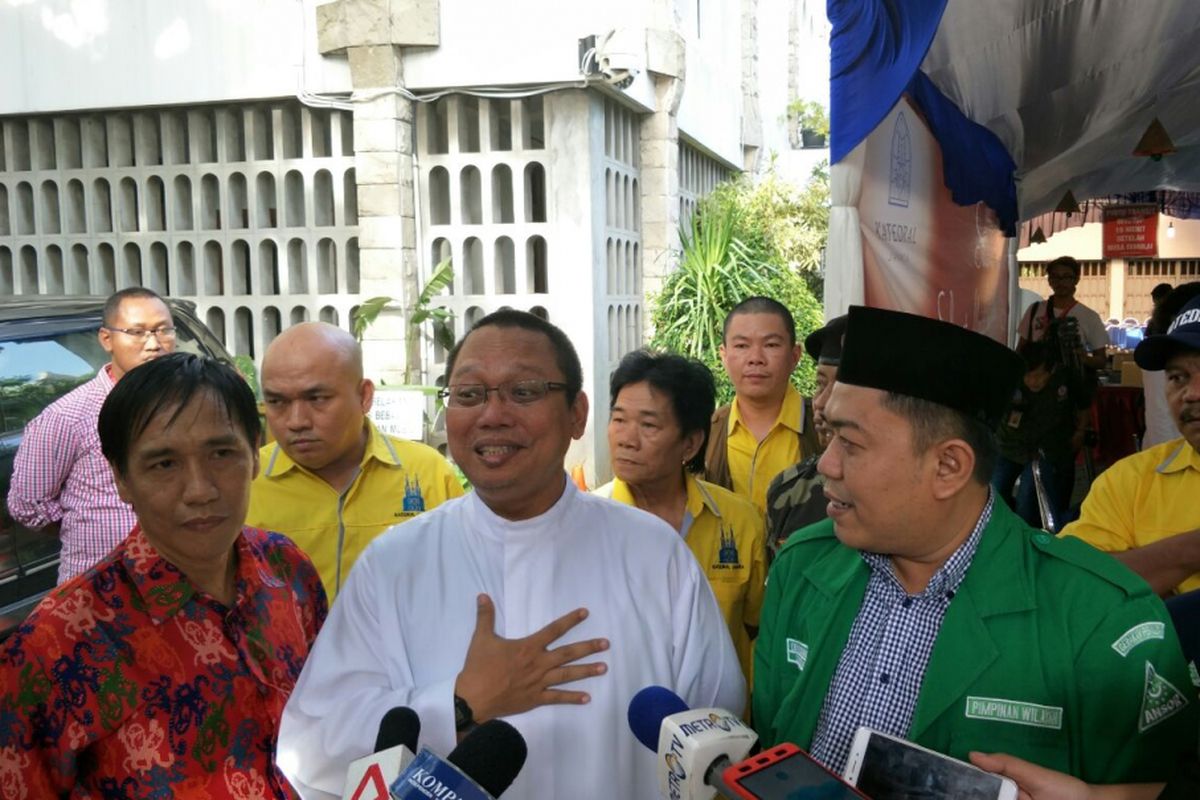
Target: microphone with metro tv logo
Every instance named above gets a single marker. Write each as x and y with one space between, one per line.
482 767
694 746
368 778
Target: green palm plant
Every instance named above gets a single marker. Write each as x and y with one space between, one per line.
717 270
423 311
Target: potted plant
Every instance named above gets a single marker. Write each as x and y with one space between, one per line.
812 120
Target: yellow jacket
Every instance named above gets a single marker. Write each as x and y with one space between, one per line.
726 534
397 480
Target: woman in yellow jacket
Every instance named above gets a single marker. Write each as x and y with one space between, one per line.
661 405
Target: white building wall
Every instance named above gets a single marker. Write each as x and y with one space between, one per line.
60 55
783 25
70 54
247 209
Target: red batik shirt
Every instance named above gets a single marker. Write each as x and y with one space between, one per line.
128 683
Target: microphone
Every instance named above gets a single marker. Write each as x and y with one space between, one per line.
368 777
694 746
482 767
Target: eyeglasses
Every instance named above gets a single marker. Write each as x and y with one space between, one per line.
521 393
162 334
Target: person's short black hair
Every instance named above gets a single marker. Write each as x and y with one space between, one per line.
112 306
1064 261
166 385
932 423
686 381
564 351
1170 306
1160 291
761 305
1038 354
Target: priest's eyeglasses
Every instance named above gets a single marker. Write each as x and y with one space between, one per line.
164 333
521 393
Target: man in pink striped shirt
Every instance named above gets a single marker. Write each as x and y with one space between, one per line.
60 479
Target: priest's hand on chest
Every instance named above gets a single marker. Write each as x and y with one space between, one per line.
502 677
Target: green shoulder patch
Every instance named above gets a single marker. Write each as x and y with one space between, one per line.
1160 699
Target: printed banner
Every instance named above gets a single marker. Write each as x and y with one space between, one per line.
922 252
1131 231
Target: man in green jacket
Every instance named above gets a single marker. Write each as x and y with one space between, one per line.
924 609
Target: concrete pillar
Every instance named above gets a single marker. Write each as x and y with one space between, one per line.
659 137
752 127
372 35
1116 288
660 186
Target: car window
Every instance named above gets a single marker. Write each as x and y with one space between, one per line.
8 529
34 372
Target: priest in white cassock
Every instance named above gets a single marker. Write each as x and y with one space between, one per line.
526 599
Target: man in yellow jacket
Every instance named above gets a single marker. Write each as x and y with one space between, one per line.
331 481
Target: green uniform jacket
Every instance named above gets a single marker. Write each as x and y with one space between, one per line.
1050 650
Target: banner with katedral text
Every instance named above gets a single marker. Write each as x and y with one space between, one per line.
922 252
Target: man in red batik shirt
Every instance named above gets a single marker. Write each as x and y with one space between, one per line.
163 670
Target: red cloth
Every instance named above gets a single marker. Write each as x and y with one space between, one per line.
1119 418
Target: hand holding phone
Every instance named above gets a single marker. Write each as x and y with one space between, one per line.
888 768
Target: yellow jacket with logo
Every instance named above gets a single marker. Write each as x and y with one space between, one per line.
726 535
397 480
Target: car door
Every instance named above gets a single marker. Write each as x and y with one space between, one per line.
40 361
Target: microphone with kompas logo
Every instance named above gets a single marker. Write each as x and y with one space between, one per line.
482 767
694 746
368 778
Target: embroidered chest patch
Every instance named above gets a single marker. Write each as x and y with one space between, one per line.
797 653
1015 712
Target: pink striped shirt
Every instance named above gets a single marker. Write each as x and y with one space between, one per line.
59 475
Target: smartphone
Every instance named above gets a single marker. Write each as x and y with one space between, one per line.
786 772
887 768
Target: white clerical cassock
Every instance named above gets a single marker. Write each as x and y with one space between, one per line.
399 631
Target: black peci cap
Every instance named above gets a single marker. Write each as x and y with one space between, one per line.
930 360
825 344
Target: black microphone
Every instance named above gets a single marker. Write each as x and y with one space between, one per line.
492 755
400 726
368 778
482 767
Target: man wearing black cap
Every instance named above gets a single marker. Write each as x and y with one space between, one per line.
924 609
794 498
1143 508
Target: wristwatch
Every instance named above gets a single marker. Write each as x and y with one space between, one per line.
464 719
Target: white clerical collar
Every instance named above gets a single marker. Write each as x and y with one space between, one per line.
497 527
